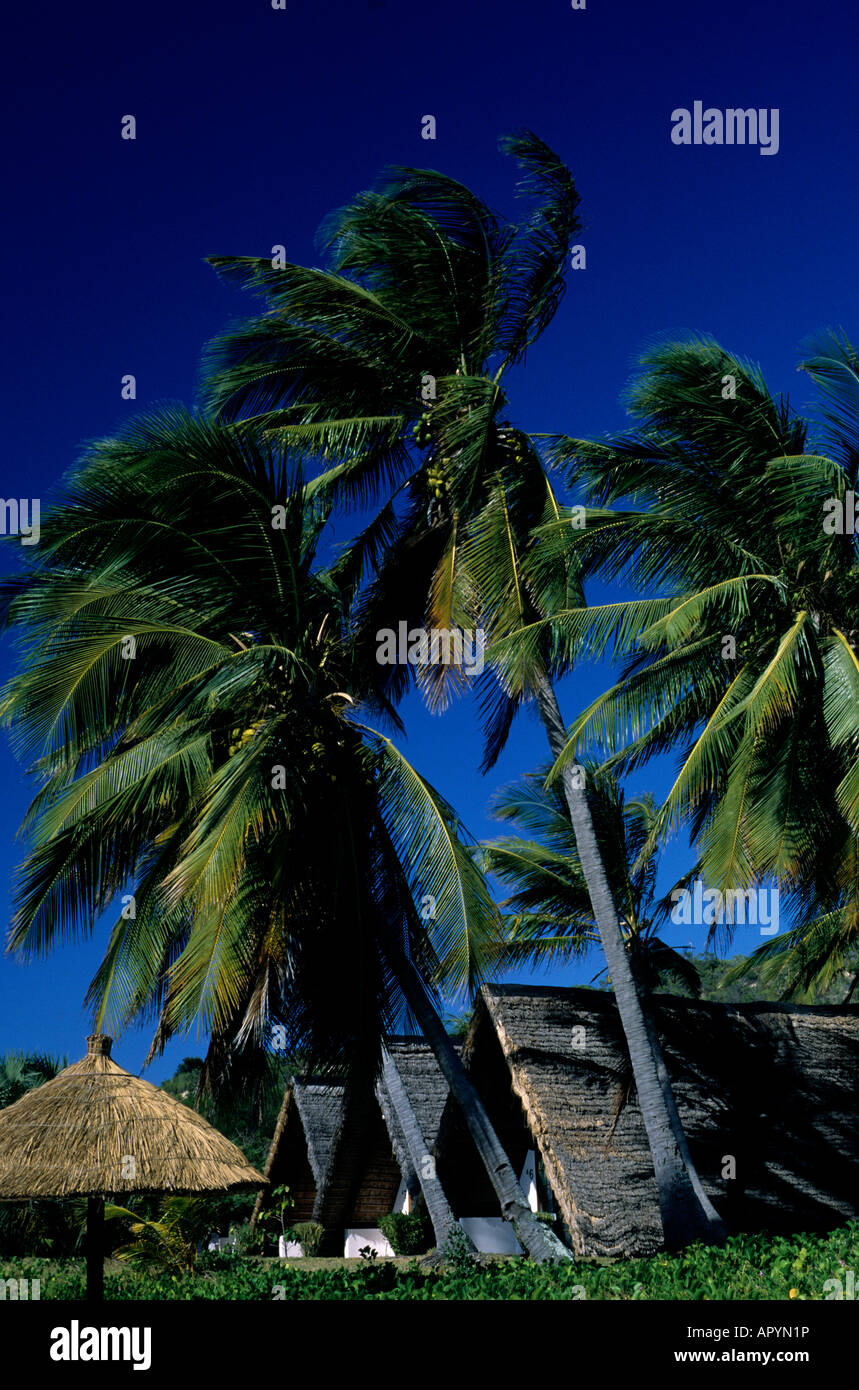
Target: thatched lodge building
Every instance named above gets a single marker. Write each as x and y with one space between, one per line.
347 1165
768 1095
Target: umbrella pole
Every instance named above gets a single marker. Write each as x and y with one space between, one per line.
95 1249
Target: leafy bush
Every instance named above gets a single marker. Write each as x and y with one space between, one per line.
216 1261
248 1241
310 1234
458 1249
407 1233
36 1228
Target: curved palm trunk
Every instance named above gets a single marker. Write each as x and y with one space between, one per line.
686 1211
534 1237
677 1125
440 1214
283 1115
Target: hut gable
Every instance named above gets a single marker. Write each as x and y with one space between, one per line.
301 1147
412 1094
320 1109
423 1082
773 1086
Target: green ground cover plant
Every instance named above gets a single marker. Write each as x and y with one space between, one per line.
751 1267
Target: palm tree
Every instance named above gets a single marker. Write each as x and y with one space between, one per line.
26 1227
548 915
20 1072
551 918
749 664
388 368
195 712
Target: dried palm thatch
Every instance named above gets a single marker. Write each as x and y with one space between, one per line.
300 1152
771 1086
96 1130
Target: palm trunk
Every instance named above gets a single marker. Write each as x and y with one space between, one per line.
283 1115
686 1212
440 1214
674 1116
534 1237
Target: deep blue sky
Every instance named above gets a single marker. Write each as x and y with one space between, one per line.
253 123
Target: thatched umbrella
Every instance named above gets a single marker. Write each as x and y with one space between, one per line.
96 1131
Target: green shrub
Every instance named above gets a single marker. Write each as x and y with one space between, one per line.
271 1222
310 1235
248 1240
216 1261
458 1249
407 1233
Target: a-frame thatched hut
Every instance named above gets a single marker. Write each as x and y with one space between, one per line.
301 1147
336 1159
349 1164
767 1094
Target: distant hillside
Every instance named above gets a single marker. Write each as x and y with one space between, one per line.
749 988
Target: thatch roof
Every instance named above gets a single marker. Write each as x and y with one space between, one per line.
301 1147
336 1158
773 1085
426 1090
344 1163
96 1130
321 1110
